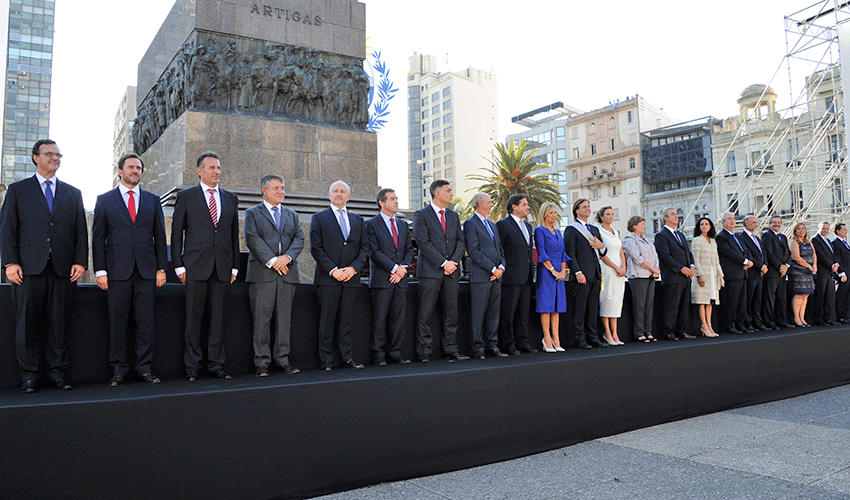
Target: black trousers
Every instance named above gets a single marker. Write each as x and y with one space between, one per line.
677 305
42 304
390 306
513 325
486 300
774 304
820 307
842 300
332 299
200 296
131 298
733 301
584 303
754 293
430 290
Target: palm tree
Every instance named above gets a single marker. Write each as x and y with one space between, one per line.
511 173
464 210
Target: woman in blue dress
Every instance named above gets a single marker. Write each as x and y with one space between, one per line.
551 271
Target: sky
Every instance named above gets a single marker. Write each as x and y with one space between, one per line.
692 60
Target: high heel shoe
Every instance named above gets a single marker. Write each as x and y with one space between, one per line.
609 342
549 349
559 348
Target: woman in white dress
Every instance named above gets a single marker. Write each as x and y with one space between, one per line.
613 276
705 287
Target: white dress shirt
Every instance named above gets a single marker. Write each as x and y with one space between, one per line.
180 270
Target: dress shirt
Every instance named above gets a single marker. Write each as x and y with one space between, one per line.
676 237
346 230
491 230
437 211
205 189
124 190
522 228
269 207
738 242
41 183
779 236
387 219
755 240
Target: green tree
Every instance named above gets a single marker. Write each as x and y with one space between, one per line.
512 172
464 210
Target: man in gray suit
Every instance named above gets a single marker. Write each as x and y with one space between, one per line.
486 266
274 237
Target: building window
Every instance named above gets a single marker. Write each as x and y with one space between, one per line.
448 145
575 175
633 187
436 163
435 110
447 118
424 127
593 171
448 159
632 162
613 167
447 131
435 96
575 132
592 149
435 123
562 178
560 133
426 139
447 104
611 122
612 144
426 153
447 91
562 155
615 190
630 116
576 154
449 171
424 101
730 164
436 135
594 193
426 166
425 114
438 149
592 128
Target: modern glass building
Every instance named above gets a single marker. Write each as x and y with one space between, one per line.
29 60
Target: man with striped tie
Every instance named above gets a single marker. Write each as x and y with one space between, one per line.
205 254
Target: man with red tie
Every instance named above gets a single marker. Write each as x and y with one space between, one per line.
129 257
205 253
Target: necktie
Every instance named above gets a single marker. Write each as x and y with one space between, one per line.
342 225
490 230
758 243
213 207
736 241
48 194
845 244
276 213
443 219
524 231
394 231
678 238
131 206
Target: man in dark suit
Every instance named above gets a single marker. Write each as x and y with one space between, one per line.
829 271
778 256
205 254
44 245
441 245
340 246
734 260
583 243
486 266
677 270
390 254
754 274
842 256
129 257
275 239
517 242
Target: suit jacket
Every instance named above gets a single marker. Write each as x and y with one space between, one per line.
119 244
383 253
264 241
519 264
484 252
673 256
585 258
776 252
732 256
826 257
435 245
842 254
330 250
29 233
755 254
199 245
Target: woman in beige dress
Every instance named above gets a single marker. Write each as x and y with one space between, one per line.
705 287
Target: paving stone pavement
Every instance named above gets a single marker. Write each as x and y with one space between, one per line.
793 449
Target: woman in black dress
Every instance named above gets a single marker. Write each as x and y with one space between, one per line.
801 273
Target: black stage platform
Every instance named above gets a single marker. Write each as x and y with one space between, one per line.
315 432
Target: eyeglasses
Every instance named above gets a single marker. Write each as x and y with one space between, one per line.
58 156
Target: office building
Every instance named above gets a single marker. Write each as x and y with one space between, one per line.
122 137
452 126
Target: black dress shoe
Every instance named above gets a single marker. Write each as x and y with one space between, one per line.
686 336
758 326
424 360
116 380
747 329
527 349
289 369
261 371
380 362
220 373
670 336
61 384
327 367
583 345
478 355
830 322
399 360
770 326
192 376
456 356
734 331
512 352
29 386
596 342
353 364
495 352
844 321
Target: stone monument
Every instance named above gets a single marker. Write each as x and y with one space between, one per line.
272 87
